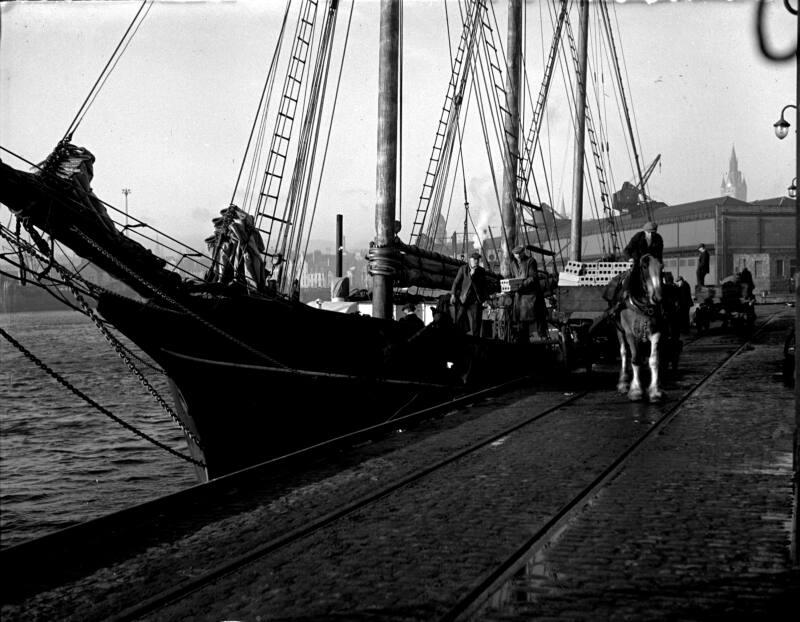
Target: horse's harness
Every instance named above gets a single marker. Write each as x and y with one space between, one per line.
644 308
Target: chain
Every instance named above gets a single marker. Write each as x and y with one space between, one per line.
124 353
36 361
175 303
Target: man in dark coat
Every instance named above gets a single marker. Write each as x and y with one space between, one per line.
646 242
410 321
746 279
529 307
468 294
702 265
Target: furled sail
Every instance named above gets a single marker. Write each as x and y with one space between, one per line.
412 265
58 199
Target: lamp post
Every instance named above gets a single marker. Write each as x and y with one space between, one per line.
781 131
782 125
126 192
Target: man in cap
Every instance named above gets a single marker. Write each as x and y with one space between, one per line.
702 265
468 293
529 307
410 321
646 242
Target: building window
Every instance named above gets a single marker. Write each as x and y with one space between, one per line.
683 263
779 267
759 268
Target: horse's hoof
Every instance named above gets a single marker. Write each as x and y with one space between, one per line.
635 396
656 396
622 388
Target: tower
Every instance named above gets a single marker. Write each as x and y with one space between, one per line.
733 183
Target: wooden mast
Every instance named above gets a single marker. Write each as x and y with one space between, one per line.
511 159
576 232
386 179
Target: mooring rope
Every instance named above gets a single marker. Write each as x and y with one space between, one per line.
66 384
122 351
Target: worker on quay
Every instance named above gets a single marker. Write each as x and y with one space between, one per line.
468 293
529 307
410 321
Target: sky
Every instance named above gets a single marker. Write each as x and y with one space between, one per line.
172 121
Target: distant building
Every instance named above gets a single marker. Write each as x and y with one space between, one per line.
759 234
733 183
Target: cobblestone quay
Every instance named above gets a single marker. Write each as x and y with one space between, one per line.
695 526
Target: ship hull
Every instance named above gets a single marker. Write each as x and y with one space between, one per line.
257 378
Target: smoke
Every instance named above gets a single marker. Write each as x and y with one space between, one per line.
483 210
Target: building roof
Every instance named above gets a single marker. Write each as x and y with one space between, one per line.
776 202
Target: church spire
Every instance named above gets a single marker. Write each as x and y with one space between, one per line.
734 165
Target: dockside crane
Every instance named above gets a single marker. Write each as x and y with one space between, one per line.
630 197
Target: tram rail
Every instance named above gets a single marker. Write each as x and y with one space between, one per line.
480 592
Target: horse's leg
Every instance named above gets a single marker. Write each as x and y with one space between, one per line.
622 383
654 393
635 392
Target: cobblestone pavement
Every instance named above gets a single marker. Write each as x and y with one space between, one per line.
697 527
414 553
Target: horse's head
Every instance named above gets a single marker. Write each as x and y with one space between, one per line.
650 273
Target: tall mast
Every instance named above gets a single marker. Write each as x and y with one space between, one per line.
509 208
580 108
386 179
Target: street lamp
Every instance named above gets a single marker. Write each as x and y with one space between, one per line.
782 125
793 189
126 192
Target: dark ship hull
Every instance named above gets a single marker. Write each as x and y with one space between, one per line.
273 376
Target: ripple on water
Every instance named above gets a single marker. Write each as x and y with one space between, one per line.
63 461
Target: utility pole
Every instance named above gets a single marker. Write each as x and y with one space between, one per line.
126 192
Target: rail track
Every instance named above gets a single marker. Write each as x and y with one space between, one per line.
483 586
469 604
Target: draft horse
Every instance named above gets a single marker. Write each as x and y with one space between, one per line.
639 320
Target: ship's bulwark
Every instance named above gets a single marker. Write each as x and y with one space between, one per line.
300 375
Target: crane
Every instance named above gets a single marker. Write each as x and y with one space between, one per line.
627 198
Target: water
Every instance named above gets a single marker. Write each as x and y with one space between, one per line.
61 461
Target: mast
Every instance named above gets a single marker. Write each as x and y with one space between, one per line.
386 179
339 245
576 232
509 208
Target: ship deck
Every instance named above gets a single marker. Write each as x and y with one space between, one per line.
564 501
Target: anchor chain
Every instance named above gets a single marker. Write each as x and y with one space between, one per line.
122 351
175 303
62 381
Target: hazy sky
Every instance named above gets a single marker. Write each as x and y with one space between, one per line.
172 122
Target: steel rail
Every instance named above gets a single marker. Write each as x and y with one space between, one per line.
471 604
190 586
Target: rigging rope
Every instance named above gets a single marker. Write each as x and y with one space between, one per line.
121 350
66 384
106 72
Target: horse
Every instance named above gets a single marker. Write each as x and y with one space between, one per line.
640 320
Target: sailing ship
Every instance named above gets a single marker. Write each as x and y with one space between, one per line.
243 327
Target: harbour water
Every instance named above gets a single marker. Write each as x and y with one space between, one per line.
63 462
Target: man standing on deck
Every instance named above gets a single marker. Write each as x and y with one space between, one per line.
468 293
702 265
529 307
